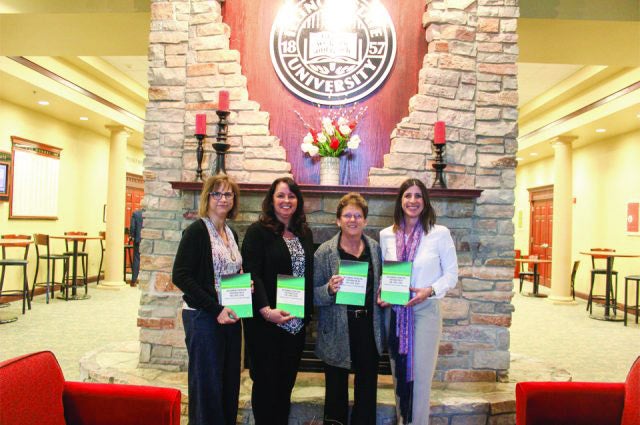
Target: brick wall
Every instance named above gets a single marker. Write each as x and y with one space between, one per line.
468 79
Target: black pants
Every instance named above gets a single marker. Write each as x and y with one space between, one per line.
364 364
274 356
214 368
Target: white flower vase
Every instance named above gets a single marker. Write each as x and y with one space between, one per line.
329 171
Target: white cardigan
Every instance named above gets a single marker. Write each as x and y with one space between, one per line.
435 264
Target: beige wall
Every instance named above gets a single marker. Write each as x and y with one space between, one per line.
82 185
605 176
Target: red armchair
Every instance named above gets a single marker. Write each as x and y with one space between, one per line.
33 391
580 403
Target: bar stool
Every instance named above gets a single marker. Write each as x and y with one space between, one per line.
599 271
574 271
51 259
82 254
529 272
628 280
128 254
103 235
16 262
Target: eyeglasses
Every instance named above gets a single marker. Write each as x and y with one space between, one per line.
348 217
218 195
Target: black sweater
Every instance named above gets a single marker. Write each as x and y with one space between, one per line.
265 255
193 269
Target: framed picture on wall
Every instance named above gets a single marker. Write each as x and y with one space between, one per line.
5 169
633 213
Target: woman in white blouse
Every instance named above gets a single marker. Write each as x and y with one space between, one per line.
415 329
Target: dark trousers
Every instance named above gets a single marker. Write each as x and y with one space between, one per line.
135 262
214 368
274 357
364 364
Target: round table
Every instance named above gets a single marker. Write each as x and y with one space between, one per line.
536 276
610 256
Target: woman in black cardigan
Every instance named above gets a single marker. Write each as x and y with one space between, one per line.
208 249
280 242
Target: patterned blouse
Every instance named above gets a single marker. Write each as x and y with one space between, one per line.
295 325
226 257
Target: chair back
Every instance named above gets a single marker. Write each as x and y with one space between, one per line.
595 257
103 237
22 245
574 271
82 242
40 239
31 388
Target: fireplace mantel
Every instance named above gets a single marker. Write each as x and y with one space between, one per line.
314 189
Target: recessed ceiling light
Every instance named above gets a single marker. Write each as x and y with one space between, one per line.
534 154
600 130
519 158
84 118
43 102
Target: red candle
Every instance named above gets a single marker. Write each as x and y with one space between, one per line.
439 133
201 124
223 100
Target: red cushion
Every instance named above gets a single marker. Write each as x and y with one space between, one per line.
108 404
31 390
631 412
569 403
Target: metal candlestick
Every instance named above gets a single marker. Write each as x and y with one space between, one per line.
221 146
199 155
439 166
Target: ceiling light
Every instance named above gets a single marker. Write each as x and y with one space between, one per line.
600 130
534 154
84 118
519 158
43 102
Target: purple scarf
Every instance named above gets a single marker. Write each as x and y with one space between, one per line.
401 342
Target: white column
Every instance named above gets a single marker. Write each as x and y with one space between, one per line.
562 220
114 255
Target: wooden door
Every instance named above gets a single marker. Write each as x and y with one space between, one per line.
541 225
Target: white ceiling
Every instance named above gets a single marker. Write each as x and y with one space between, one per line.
135 67
536 78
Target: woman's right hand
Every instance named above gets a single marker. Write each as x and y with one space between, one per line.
227 316
275 315
334 284
381 303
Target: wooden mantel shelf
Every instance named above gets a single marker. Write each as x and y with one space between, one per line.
313 189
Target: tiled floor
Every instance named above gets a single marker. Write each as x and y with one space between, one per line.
561 335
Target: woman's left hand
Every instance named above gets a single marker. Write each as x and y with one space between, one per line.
421 294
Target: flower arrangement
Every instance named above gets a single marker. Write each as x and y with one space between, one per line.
335 133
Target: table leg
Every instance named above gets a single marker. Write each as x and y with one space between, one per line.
74 276
535 278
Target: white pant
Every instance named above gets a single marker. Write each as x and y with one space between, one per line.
427 325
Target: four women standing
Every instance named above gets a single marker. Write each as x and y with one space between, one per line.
349 337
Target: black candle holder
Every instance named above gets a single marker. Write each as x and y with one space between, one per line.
221 146
199 154
439 166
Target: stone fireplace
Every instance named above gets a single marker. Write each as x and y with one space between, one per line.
468 79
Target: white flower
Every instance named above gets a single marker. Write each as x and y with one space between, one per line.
308 138
342 121
305 147
328 126
322 138
313 150
354 142
345 129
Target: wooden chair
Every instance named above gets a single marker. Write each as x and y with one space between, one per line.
573 278
128 254
42 240
103 236
601 271
16 262
529 273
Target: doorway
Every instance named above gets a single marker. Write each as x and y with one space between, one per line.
540 231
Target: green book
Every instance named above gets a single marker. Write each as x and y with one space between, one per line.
396 279
235 293
290 295
354 286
